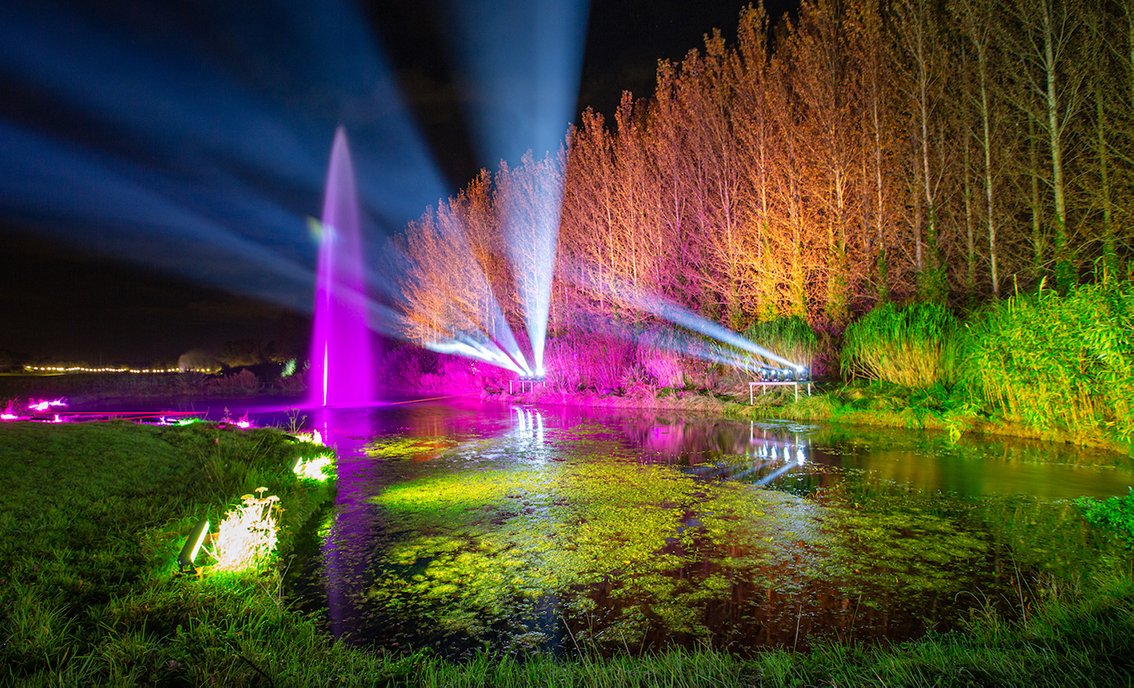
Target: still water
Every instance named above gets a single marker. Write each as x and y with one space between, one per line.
518 528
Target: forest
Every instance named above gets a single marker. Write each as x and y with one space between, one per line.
856 153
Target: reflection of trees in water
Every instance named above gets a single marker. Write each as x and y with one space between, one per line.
536 519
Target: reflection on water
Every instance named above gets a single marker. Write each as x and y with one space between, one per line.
558 528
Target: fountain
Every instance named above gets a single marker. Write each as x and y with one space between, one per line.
341 372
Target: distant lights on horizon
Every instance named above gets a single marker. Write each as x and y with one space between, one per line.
111 369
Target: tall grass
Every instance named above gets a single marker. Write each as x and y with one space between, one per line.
790 337
914 346
583 360
1054 361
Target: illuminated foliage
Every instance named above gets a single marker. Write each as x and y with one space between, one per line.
248 533
913 345
318 468
1058 361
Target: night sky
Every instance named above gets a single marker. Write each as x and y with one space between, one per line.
158 165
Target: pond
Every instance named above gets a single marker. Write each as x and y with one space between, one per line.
463 526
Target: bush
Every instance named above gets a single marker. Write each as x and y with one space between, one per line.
1115 513
657 355
790 337
1049 360
914 346
584 360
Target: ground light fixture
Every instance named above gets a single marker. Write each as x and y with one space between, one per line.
193 547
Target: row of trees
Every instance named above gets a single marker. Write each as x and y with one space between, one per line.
861 152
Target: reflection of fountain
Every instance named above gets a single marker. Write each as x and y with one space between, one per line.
341 364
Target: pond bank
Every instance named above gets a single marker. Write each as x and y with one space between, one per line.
93 598
854 403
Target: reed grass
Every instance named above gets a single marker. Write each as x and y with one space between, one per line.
1053 361
914 345
790 337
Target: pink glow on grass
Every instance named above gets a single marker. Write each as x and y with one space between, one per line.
341 362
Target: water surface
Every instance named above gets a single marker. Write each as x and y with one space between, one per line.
460 526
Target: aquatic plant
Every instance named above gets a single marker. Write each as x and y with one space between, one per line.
790 337
1053 361
913 345
1115 513
401 446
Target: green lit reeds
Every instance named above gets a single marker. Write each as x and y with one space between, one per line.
1056 361
790 337
913 346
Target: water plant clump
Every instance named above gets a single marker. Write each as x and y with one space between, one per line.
1114 513
649 555
1057 361
913 345
400 447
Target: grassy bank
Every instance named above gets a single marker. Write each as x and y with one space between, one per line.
93 515
92 518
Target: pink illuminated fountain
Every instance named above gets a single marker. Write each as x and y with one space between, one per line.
341 372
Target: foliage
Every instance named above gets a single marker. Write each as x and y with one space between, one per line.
1058 361
318 468
91 598
913 345
790 337
861 151
657 355
588 360
1115 513
248 534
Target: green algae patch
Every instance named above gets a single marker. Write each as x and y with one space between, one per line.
403 447
646 553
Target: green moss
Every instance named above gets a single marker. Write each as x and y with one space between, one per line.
403 447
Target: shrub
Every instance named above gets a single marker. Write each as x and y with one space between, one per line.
588 360
657 355
914 346
790 337
1115 513
1049 360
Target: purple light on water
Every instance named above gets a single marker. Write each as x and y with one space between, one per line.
44 404
341 362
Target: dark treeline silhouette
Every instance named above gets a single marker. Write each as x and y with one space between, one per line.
864 151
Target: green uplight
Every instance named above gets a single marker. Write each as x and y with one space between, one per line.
192 547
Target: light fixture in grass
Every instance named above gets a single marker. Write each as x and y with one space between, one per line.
248 532
314 467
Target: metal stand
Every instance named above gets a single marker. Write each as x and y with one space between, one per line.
769 383
526 384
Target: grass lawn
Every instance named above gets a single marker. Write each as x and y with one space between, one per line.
92 518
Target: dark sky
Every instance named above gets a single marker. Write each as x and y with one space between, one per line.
82 276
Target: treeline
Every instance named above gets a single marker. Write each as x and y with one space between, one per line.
860 152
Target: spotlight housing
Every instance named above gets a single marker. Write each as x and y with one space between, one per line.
192 547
